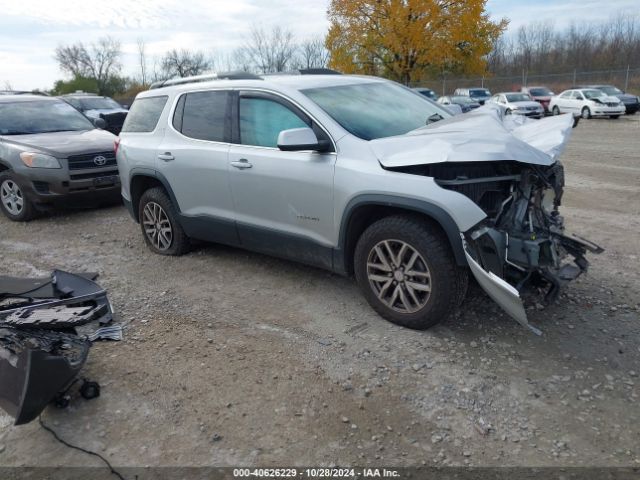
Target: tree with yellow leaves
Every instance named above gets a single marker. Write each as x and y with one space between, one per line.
407 40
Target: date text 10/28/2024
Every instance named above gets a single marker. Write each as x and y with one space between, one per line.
315 473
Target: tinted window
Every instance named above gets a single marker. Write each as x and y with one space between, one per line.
479 92
262 120
518 97
144 114
204 116
540 92
99 103
40 116
566 94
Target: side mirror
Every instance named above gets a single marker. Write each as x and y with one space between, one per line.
99 123
299 139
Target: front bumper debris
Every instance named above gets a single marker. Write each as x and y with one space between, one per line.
521 247
46 329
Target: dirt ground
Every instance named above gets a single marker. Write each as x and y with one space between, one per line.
234 358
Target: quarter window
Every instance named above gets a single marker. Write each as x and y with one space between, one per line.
144 114
262 120
204 115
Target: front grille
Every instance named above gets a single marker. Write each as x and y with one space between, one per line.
84 176
612 104
82 162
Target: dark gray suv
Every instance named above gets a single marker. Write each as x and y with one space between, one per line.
52 154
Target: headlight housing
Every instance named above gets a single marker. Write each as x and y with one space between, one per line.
39 160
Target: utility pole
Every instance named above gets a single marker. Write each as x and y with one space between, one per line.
626 80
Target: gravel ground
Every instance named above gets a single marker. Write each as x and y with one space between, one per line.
233 358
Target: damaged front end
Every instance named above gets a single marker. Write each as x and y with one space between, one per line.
522 242
509 168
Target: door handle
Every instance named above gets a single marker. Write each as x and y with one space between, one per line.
166 156
242 164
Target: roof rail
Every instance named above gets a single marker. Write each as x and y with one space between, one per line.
24 92
205 78
318 71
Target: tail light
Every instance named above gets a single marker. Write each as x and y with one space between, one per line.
116 144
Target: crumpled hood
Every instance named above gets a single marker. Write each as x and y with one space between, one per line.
608 99
63 144
484 134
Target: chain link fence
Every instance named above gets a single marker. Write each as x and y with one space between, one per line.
627 79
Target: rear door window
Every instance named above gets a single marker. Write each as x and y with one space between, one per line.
204 115
144 114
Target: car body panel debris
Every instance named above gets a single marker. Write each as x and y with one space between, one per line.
41 351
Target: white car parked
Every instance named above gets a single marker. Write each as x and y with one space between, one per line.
587 102
519 104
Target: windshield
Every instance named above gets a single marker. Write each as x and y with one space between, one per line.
428 93
517 97
376 110
593 93
611 90
540 92
97 103
479 92
461 100
23 118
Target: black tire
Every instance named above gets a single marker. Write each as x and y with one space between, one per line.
586 113
508 112
447 282
27 211
90 390
178 243
555 110
614 117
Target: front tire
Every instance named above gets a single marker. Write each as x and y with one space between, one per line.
406 271
555 110
161 229
14 202
614 117
586 113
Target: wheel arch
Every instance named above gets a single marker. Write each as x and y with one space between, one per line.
141 180
362 211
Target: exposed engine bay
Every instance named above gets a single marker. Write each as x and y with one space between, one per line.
522 241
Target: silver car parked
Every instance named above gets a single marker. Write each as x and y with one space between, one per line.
518 104
358 175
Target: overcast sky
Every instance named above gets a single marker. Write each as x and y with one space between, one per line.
30 30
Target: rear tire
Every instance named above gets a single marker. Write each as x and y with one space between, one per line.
14 201
406 271
586 113
161 229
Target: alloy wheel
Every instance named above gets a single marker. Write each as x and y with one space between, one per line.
11 197
399 276
157 226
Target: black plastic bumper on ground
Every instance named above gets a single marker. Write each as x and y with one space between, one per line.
41 353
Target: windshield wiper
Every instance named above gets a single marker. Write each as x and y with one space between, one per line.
436 117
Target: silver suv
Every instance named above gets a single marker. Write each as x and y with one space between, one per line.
358 175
